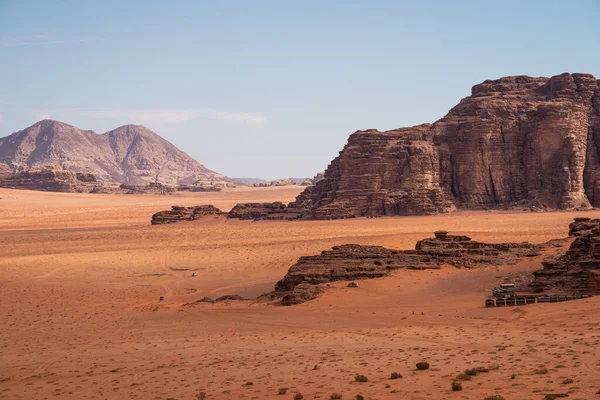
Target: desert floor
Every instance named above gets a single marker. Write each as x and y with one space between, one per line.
81 276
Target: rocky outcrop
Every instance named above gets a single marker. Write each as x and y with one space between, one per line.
578 271
306 182
131 154
177 213
276 182
318 177
263 211
52 178
515 142
353 262
150 188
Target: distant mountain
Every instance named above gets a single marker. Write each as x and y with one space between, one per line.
130 154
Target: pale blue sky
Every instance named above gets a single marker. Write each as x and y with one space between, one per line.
272 89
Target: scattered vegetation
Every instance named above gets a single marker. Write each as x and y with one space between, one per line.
335 396
422 366
249 383
298 396
456 386
495 397
361 378
282 391
395 375
359 397
567 381
201 396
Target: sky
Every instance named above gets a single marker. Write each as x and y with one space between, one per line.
273 89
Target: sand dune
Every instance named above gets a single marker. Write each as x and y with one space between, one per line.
81 276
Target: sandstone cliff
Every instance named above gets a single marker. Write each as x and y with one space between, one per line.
516 141
131 154
578 271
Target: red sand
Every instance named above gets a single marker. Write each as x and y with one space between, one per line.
82 274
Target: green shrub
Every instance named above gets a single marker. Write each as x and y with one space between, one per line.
422 366
361 378
456 386
395 375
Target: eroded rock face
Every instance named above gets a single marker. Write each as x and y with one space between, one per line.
578 271
516 141
178 213
52 178
263 211
353 262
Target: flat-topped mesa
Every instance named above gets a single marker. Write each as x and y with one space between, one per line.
515 142
263 211
353 262
178 213
578 271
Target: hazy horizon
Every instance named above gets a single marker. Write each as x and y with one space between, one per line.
270 90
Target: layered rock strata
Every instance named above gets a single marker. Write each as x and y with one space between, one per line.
51 178
354 262
263 211
178 213
515 142
578 271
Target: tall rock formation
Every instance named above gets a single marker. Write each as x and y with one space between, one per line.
515 141
131 154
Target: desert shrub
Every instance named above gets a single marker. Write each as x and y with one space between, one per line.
463 377
554 396
456 386
359 397
567 381
335 396
395 375
361 378
513 376
422 366
298 396
201 396
493 367
541 371
475 371
282 391
249 383
495 397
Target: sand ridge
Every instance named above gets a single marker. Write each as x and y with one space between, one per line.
82 274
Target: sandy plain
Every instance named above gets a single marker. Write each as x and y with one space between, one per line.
81 275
